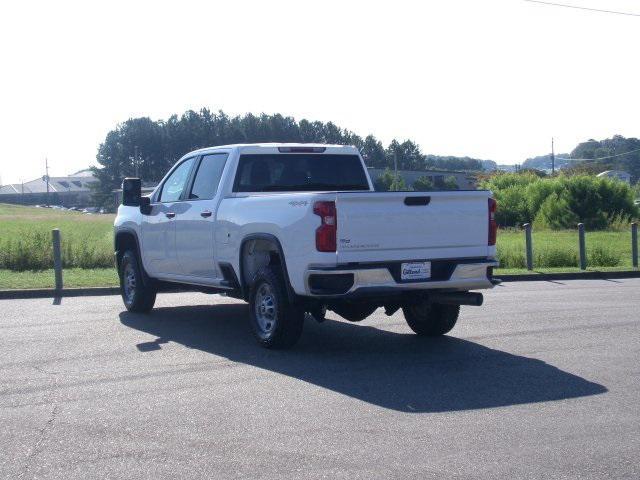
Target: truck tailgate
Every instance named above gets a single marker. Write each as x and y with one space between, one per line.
393 226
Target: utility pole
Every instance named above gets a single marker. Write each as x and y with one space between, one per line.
395 166
135 161
553 159
46 176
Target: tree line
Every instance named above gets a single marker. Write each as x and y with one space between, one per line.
595 156
148 148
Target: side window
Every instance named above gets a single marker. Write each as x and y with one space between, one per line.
208 176
175 184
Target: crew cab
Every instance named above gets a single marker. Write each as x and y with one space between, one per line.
296 229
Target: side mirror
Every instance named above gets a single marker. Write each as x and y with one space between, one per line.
131 192
145 205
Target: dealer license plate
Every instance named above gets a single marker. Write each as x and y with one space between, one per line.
415 271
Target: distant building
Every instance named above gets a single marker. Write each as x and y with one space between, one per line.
465 180
616 174
507 168
71 191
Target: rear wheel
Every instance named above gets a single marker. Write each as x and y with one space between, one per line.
276 322
431 319
137 296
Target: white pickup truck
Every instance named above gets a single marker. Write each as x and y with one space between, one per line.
298 228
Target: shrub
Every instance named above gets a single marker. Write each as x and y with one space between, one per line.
555 214
511 257
561 202
556 257
388 182
423 184
619 223
512 206
450 183
599 256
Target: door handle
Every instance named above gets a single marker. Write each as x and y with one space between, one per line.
414 201
205 214
169 214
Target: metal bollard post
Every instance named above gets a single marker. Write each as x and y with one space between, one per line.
634 245
529 244
583 249
57 258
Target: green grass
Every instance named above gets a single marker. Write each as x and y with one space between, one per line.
560 249
25 238
87 244
542 271
73 277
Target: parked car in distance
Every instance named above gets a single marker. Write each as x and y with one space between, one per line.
297 228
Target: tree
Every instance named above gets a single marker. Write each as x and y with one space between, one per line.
152 147
616 153
384 181
398 184
373 152
407 153
453 163
388 182
450 183
423 184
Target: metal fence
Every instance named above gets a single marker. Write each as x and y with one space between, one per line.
582 246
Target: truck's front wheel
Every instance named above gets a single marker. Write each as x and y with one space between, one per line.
137 296
276 322
431 319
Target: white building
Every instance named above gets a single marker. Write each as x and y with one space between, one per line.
617 174
73 190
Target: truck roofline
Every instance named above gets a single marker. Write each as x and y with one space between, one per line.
272 148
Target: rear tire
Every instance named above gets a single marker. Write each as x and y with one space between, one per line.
276 321
137 296
431 319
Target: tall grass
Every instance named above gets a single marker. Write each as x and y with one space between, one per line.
25 238
87 242
560 248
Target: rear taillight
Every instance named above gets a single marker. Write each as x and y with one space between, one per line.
326 233
493 226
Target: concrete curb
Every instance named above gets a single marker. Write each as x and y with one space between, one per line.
102 291
53 293
544 277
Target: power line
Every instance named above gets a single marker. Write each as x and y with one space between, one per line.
584 8
617 155
597 159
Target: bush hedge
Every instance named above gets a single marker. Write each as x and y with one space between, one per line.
561 202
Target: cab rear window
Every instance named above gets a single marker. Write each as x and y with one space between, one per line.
299 173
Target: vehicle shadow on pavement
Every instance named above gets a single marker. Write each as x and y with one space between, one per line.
397 371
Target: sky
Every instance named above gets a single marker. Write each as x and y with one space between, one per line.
491 79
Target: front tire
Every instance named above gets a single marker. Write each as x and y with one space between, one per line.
275 321
431 319
137 296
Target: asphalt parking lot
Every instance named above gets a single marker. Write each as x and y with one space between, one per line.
543 381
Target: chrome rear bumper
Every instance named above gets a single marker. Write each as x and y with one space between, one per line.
465 276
